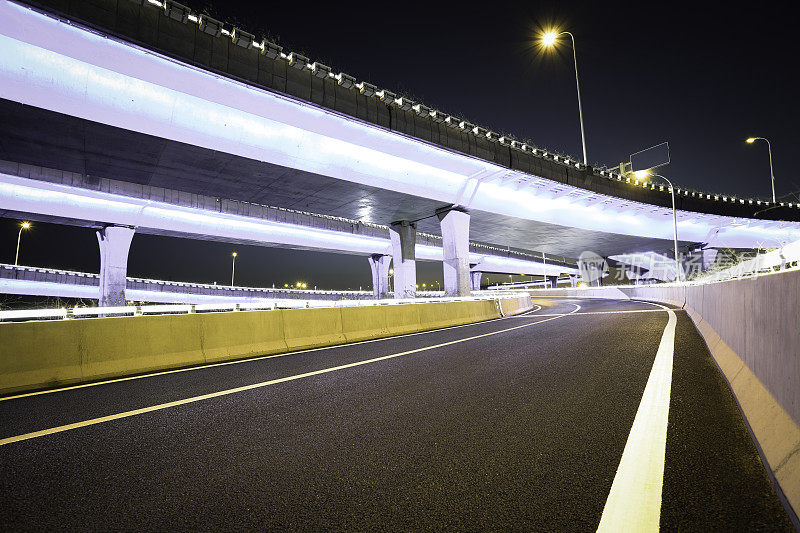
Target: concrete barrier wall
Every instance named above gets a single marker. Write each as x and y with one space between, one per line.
752 328
44 354
513 306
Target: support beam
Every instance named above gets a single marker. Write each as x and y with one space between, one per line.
404 239
552 282
115 243
379 264
455 243
573 280
475 278
709 256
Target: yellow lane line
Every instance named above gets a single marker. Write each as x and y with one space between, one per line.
251 359
149 409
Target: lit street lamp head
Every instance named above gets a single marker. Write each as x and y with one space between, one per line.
751 140
234 254
24 225
549 38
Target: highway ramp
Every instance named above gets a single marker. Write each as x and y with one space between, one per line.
512 423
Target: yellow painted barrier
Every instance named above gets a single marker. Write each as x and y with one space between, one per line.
117 346
365 323
44 354
250 334
402 319
32 356
514 306
309 328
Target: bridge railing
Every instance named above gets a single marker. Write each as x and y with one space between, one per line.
67 313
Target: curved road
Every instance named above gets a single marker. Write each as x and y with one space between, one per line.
513 423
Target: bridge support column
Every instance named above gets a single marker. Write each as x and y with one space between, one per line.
379 264
573 280
404 240
455 249
552 282
475 279
709 256
115 243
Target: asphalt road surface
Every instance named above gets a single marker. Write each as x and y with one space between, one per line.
517 423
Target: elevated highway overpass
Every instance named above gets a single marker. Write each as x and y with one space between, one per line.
37 281
567 412
155 96
25 280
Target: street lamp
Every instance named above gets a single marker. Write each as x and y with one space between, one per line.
233 266
751 140
391 274
24 225
549 39
674 225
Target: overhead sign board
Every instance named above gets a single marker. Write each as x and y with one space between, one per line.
653 157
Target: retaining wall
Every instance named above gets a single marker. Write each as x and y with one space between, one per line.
43 354
752 328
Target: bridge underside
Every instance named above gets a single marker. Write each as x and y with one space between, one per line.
44 138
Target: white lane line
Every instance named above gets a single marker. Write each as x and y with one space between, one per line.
252 359
149 409
601 313
634 503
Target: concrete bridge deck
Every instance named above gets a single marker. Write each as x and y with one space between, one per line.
180 123
64 283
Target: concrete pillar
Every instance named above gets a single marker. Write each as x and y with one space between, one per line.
455 243
709 256
404 240
379 264
573 280
552 281
475 279
115 242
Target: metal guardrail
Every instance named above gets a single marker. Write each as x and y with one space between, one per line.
53 275
785 258
67 313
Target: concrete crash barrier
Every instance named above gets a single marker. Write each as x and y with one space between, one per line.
514 306
752 329
45 354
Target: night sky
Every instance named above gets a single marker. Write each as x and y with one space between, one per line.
703 78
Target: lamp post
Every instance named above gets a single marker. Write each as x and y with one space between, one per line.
548 41
751 140
674 225
23 226
233 266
